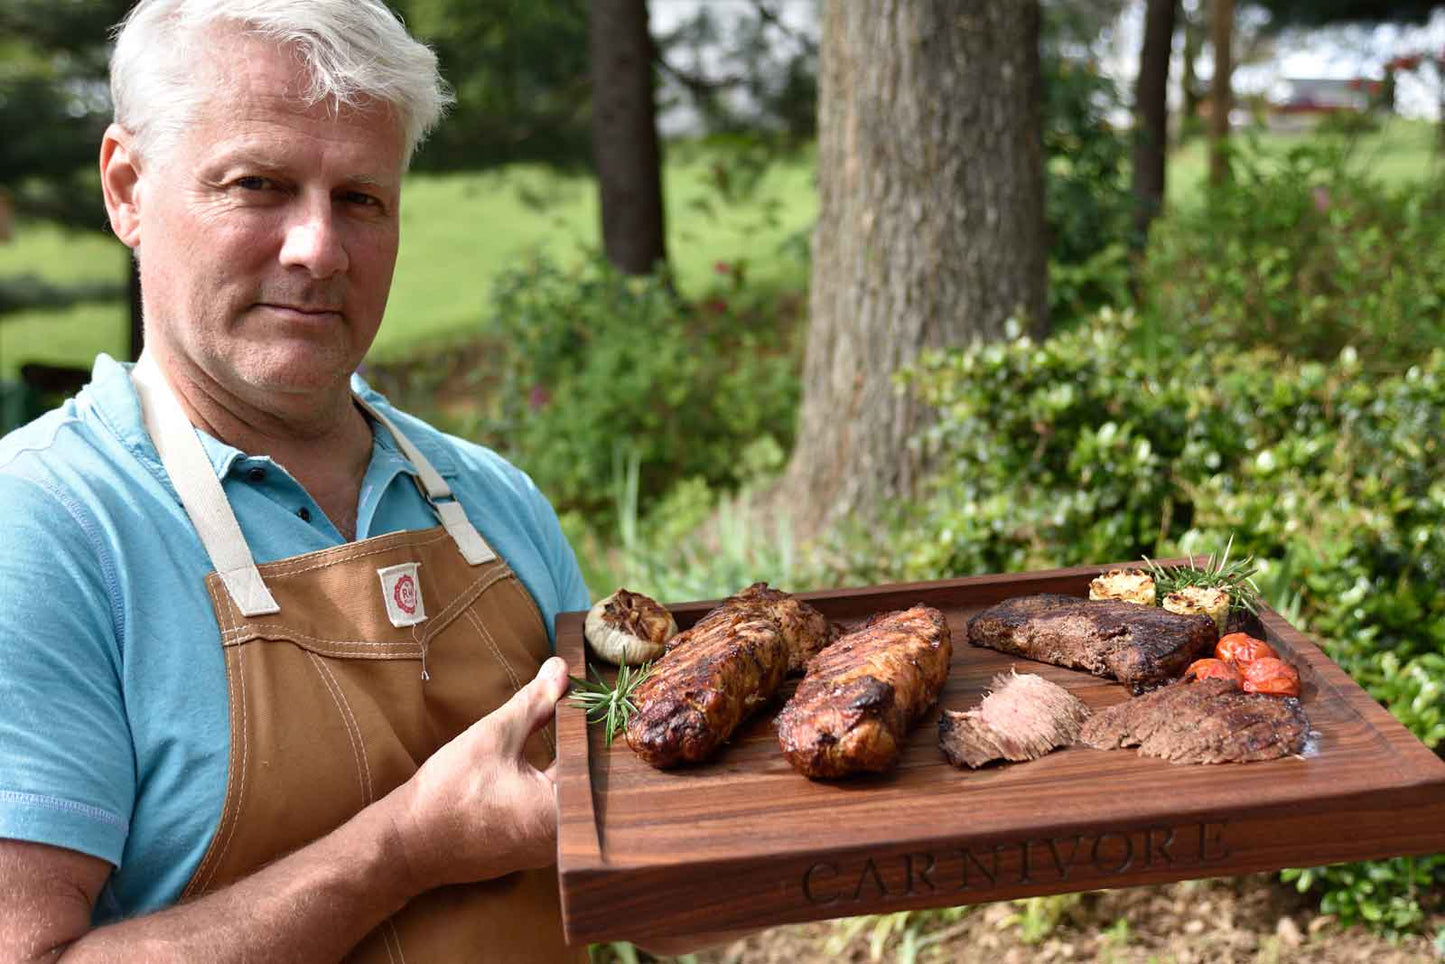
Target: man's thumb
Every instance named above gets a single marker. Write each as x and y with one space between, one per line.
532 706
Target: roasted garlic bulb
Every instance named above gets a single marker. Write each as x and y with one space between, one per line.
629 627
1130 585
1200 599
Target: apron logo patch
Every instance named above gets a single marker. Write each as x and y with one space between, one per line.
402 594
405 595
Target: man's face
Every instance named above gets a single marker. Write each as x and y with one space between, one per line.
268 231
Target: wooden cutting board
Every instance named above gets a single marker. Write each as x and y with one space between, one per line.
744 841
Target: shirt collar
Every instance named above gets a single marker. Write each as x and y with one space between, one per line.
112 397
428 441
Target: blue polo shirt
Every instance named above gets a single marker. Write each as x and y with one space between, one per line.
114 726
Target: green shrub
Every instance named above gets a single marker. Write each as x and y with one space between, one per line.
1385 895
1306 255
595 363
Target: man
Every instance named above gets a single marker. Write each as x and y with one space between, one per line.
274 657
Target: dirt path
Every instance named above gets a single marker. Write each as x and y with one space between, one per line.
1227 921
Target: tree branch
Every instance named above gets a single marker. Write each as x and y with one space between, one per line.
696 83
769 16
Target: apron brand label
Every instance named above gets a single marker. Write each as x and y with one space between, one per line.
401 592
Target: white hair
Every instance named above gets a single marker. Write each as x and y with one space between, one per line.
354 52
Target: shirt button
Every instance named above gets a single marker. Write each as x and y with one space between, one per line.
256 475
304 513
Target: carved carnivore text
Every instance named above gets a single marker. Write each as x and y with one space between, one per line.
1086 858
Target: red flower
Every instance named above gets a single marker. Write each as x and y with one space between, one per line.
538 398
722 267
716 305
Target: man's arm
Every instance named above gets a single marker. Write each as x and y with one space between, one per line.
476 810
311 906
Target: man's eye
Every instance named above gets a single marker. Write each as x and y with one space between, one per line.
253 183
357 197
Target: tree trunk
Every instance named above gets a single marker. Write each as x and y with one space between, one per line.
1189 82
1221 99
1440 85
624 135
930 228
1151 125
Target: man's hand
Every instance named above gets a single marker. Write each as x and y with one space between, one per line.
477 808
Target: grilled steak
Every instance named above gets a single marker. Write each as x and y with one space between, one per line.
718 671
1139 646
1211 721
863 693
1022 718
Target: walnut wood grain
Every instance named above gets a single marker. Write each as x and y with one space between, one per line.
745 841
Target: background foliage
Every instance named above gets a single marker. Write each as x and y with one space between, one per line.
596 366
1087 201
520 72
1314 256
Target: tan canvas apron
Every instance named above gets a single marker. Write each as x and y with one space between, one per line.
332 704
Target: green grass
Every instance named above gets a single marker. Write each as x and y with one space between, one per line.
1400 152
458 232
74 335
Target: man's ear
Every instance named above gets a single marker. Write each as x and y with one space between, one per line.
120 182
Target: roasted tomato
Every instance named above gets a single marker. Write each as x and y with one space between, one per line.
1241 649
1212 669
1272 676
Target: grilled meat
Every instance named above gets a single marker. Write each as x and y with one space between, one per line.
1139 646
718 671
863 693
1022 718
1210 721
805 630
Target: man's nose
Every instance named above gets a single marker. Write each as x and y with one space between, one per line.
313 241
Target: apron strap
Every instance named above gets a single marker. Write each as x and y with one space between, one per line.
453 517
195 480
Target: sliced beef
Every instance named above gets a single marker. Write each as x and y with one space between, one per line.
1139 646
1022 718
1211 721
863 693
718 671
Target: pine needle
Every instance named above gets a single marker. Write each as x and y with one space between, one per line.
610 705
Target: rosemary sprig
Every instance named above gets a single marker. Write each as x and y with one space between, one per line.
1235 578
610 705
